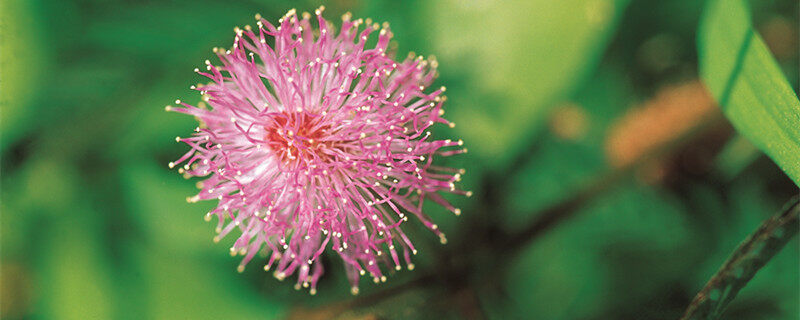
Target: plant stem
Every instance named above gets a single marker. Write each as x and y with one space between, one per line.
557 213
751 255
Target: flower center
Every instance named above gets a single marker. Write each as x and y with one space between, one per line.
299 137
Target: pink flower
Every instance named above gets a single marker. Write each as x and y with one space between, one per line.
313 141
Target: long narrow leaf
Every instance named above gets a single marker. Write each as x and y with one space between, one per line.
748 84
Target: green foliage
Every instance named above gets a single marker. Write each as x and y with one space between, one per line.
748 84
188 288
570 164
96 225
779 276
26 67
569 273
737 155
521 63
153 200
749 257
77 275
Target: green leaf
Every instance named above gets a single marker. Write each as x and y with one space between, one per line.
523 57
625 244
736 156
21 69
559 166
747 83
569 167
74 275
182 287
155 198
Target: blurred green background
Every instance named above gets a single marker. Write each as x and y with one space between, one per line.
550 97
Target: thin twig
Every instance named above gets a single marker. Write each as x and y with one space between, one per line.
335 309
469 305
746 260
553 215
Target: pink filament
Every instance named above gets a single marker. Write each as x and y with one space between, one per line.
317 142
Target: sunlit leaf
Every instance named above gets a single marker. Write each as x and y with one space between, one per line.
21 69
748 84
522 56
75 276
155 198
180 287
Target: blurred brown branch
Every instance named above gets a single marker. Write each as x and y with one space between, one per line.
746 260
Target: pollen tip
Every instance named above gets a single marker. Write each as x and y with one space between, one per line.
168 108
171 165
457 211
411 266
354 290
240 269
312 291
258 16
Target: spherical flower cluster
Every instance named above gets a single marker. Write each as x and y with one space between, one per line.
310 140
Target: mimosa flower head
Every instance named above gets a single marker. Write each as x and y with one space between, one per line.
312 141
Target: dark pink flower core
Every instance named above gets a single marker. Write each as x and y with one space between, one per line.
300 138
315 142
